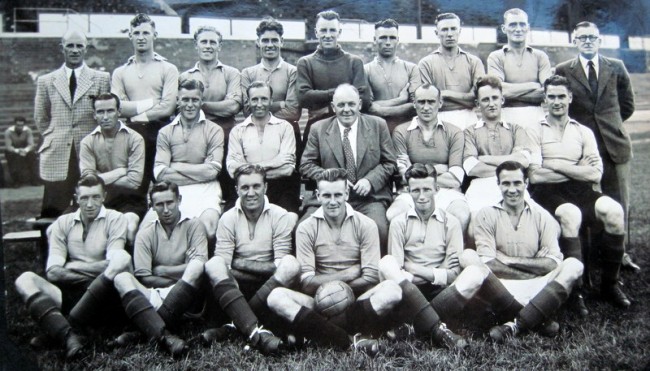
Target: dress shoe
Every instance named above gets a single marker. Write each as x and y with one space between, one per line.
577 304
615 295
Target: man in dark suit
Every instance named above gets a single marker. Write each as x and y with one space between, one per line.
602 100
359 143
63 112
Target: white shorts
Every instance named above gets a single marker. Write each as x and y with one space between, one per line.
525 290
483 192
443 198
199 197
523 116
461 118
158 295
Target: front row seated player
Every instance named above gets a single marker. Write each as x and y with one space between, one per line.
338 243
86 252
518 241
252 257
169 255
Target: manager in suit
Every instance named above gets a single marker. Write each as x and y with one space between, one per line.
602 100
63 112
360 144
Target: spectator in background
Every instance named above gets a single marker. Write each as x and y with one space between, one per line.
20 153
63 114
222 98
146 85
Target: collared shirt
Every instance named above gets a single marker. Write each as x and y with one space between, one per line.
536 230
71 240
458 75
203 144
584 61
387 81
153 247
160 82
323 250
77 71
429 244
23 140
444 147
246 146
532 66
577 141
504 139
269 239
102 155
221 83
282 80
352 136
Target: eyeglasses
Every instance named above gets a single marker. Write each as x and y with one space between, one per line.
584 38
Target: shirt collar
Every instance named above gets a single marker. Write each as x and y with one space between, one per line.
439 50
349 212
507 47
156 57
415 124
180 220
584 61
98 128
177 119
499 205
437 214
196 67
280 64
77 71
272 121
101 215
481 123
353 127
545 122
379 61
266 205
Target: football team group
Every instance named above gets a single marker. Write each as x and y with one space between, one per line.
397 211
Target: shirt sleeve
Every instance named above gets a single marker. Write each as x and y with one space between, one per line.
470 150
543 67
142 252
414 81
87 159
115 232
58 241
590 148
42 105
426 72
369 247
495 64
163 152
522 142
215 147
549 235
478 70
307 95
456 155
197 248
360 82
233 85
535 141
226 238
117 84
485 234
399 141
291 110
235 157
305 243
397 239
167 104
135 167
282 236
445 275
245 81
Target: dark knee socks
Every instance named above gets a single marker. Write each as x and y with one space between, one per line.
415 308
504 305
543 305
44 311
232 302
611 255
572 248
92 302
449 302
142 314
179 299
258 301
312 325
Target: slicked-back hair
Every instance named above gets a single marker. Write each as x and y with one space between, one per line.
332 175
510 166
163 186
90 180
513 11
259 84
420 171
443 16
487 80
387 23
328 15
141 18
191 84
557 80
585 24
248 169
107 96
202 29
427 86
269 24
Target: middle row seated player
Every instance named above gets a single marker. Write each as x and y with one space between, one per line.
359 143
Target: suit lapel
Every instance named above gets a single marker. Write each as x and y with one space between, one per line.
604 73
333 139
579 73
362 142
84 82
62 85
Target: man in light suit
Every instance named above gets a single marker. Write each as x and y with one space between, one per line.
602 102
359 143
63 112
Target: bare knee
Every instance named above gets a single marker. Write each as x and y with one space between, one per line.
216 269
26 284
132 222
288 269
460 209
210 219
281 302
611 214
468 258
389 269
398 207
124 282
386 296
573 267
470 280
193 272
570 218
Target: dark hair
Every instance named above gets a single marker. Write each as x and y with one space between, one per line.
248 169
427 86
420 171
510 166
557 80
513 11
107 96
20 119
387 23
328 15
487 80
332 175
206 29
269 24
259 84
141 18
191 84
90 180
584 24
443 16
163 186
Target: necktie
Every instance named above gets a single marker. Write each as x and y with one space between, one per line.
350 165
593 80
73 84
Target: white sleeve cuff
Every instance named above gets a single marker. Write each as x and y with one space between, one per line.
458 172
440 277
306 275
157 170
469 164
